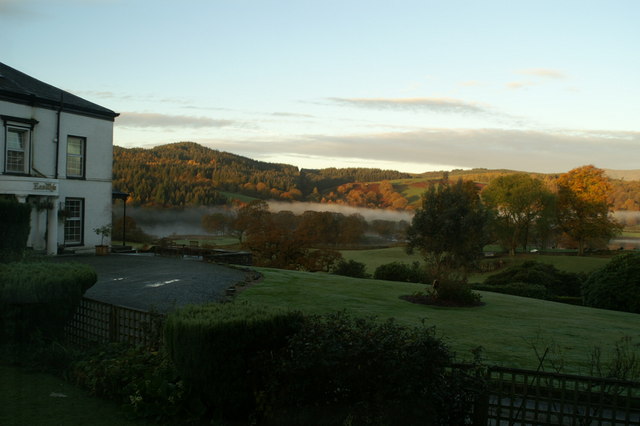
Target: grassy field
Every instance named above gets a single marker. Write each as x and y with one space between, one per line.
28 398
374 258
506 326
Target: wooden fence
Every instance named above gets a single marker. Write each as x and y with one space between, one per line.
99 322
513 397
523 397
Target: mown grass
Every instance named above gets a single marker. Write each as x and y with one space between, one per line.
508 327
374 258
29 398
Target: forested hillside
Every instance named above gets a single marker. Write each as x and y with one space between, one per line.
186 173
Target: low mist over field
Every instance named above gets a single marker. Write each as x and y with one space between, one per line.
187 221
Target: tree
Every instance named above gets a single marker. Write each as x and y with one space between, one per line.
583 208
450 229
251 218
216 223
519 202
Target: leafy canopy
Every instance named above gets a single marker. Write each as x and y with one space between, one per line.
450 228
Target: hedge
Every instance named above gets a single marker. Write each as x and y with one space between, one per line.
38 298
213 347
14 229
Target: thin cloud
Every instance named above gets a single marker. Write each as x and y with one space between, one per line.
515 85
471 83
535 151
446 105
144 120
542 72
291 114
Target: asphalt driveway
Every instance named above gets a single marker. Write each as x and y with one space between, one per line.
157 283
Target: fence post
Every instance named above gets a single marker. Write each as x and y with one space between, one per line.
113 324
481 403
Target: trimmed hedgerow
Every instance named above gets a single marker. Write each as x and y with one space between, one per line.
14 229
38 298
615 286
213 347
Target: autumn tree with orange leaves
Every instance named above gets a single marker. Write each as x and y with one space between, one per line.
583 207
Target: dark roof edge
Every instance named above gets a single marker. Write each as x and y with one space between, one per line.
33 100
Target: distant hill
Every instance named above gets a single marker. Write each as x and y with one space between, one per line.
186 173
623 174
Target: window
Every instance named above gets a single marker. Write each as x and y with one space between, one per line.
17 150
75 157
73 221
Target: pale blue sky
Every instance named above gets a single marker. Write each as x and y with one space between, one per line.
409 85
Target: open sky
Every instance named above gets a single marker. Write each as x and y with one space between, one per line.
420 85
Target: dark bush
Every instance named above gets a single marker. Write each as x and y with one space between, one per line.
615 286
350 268
38 298
213 346
536 291
456 293
144 381
398 271
339 368
321 260
557 283
14 229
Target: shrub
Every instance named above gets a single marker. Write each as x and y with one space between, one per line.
144 381
321 260
340 368
558 283
398 271
40 297
615 286
213 347
14 229
536 291
456 292
350 268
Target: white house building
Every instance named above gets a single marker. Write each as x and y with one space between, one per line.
56 154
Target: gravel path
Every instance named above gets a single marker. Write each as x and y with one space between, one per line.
157 283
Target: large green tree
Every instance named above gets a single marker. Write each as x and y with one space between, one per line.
583 207
519 201
450 229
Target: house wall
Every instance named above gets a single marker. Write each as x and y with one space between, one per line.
47 188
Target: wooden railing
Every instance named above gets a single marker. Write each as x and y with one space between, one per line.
523 397
99 322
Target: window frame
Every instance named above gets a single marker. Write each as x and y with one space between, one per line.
82 156
26 151
77 220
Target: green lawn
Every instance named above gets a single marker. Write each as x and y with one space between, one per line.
506 326
28 398
376 257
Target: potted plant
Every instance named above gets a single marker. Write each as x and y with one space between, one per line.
103 231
